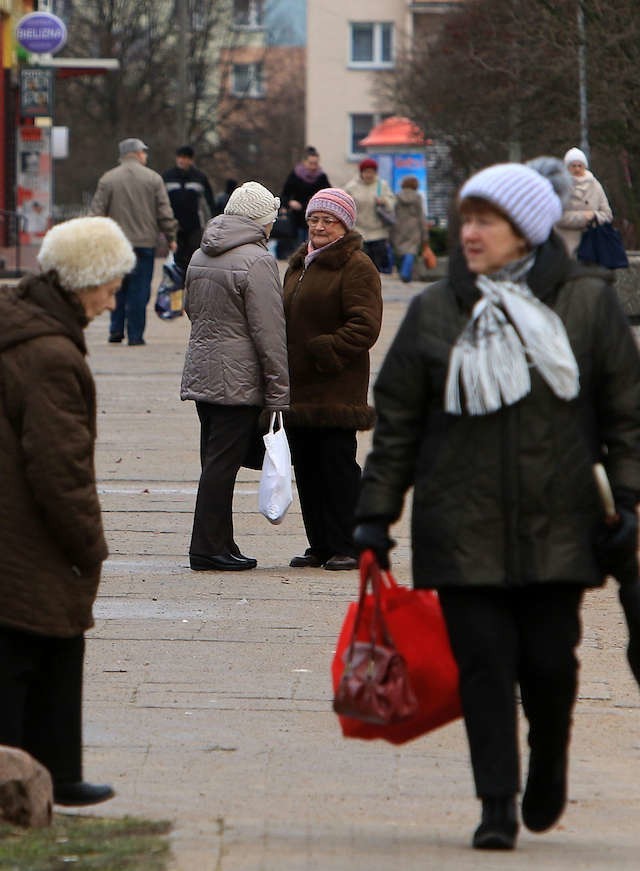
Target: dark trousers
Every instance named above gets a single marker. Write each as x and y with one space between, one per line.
41 691
378 251
188 241
132 299
328 479
226 434
501 638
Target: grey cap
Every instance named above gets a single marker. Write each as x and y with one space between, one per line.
129 146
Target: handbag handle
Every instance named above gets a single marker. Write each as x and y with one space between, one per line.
370 573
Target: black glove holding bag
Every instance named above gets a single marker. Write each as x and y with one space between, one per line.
374 535
617 542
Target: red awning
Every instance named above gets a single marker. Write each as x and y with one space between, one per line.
394 131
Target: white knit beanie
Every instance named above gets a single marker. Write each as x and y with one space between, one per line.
254 201
525 196
86 252
575 155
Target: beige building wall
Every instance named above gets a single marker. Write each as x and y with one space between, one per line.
338 89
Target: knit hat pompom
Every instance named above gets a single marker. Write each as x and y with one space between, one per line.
557 173
336 202
253 200
576 155
86 252
525 196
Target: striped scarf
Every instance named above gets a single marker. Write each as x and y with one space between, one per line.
509 330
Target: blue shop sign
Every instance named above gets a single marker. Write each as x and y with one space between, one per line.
41 33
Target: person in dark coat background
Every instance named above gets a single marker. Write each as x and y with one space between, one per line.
506 382
333 307
305 179
51 536
192 202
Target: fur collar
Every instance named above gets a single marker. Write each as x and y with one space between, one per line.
334 257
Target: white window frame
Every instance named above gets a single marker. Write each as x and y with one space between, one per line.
376 62
377 118
256 87
256 16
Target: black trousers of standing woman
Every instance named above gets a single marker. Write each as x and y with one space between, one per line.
41 692
226 433
501 637
328 480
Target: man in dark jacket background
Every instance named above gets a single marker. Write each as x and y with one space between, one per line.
192 202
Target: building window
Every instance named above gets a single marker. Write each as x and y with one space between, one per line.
360 125
371 44
248 13
247 80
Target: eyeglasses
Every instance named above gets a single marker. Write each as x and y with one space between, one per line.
328 222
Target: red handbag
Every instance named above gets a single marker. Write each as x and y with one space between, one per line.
397 638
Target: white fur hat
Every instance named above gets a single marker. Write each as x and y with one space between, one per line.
525 196
254 201
575 155
86 252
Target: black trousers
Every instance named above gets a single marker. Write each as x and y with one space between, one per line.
41 691
504 637
379 253
328 479
226 433
188 241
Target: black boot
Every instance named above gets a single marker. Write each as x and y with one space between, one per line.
81 793
545 795
629 594
498 827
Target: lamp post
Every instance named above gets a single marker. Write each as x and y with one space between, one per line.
582 81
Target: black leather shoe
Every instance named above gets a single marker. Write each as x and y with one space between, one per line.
80 793
307 561
498 827
339 563
222 562
546 792
115 338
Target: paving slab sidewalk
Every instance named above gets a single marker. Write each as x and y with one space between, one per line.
208 698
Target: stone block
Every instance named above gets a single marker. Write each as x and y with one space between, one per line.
26 789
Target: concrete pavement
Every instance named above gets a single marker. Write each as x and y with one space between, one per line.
208 696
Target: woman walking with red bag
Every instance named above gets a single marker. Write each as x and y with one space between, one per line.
519 364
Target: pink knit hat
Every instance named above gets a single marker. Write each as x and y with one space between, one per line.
335 201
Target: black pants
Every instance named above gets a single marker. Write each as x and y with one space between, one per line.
327 478
188 241
504 637
41 692
226 433
378 251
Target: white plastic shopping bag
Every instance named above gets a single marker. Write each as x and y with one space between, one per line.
274 493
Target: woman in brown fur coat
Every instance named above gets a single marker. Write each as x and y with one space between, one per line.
333 307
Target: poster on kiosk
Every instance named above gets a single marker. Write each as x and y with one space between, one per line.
34 183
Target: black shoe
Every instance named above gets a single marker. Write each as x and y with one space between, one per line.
546 792
137 342
498 827
222 562
308 561
340 563
80 793
115 338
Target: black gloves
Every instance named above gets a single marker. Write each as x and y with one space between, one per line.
374 535
617 545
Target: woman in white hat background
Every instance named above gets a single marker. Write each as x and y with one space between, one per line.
506 382
586 202
236 361
51 538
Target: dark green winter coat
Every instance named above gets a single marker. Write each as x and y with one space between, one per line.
506 498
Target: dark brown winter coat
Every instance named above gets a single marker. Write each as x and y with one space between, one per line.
334 312
508 498
51 539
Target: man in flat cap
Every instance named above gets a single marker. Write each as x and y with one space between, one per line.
135 197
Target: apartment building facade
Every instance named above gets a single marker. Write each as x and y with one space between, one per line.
350 43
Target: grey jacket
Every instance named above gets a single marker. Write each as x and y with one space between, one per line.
237 352
136 198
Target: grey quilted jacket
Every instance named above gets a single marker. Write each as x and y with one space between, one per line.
237 352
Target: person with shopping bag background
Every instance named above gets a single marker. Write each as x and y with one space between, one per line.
506 383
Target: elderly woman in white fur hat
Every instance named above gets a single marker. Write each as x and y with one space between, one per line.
506 382
586 203
236 361
51 538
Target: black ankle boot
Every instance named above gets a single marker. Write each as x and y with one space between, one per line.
546 792
498 827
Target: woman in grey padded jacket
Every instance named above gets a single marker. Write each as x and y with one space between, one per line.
236 361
